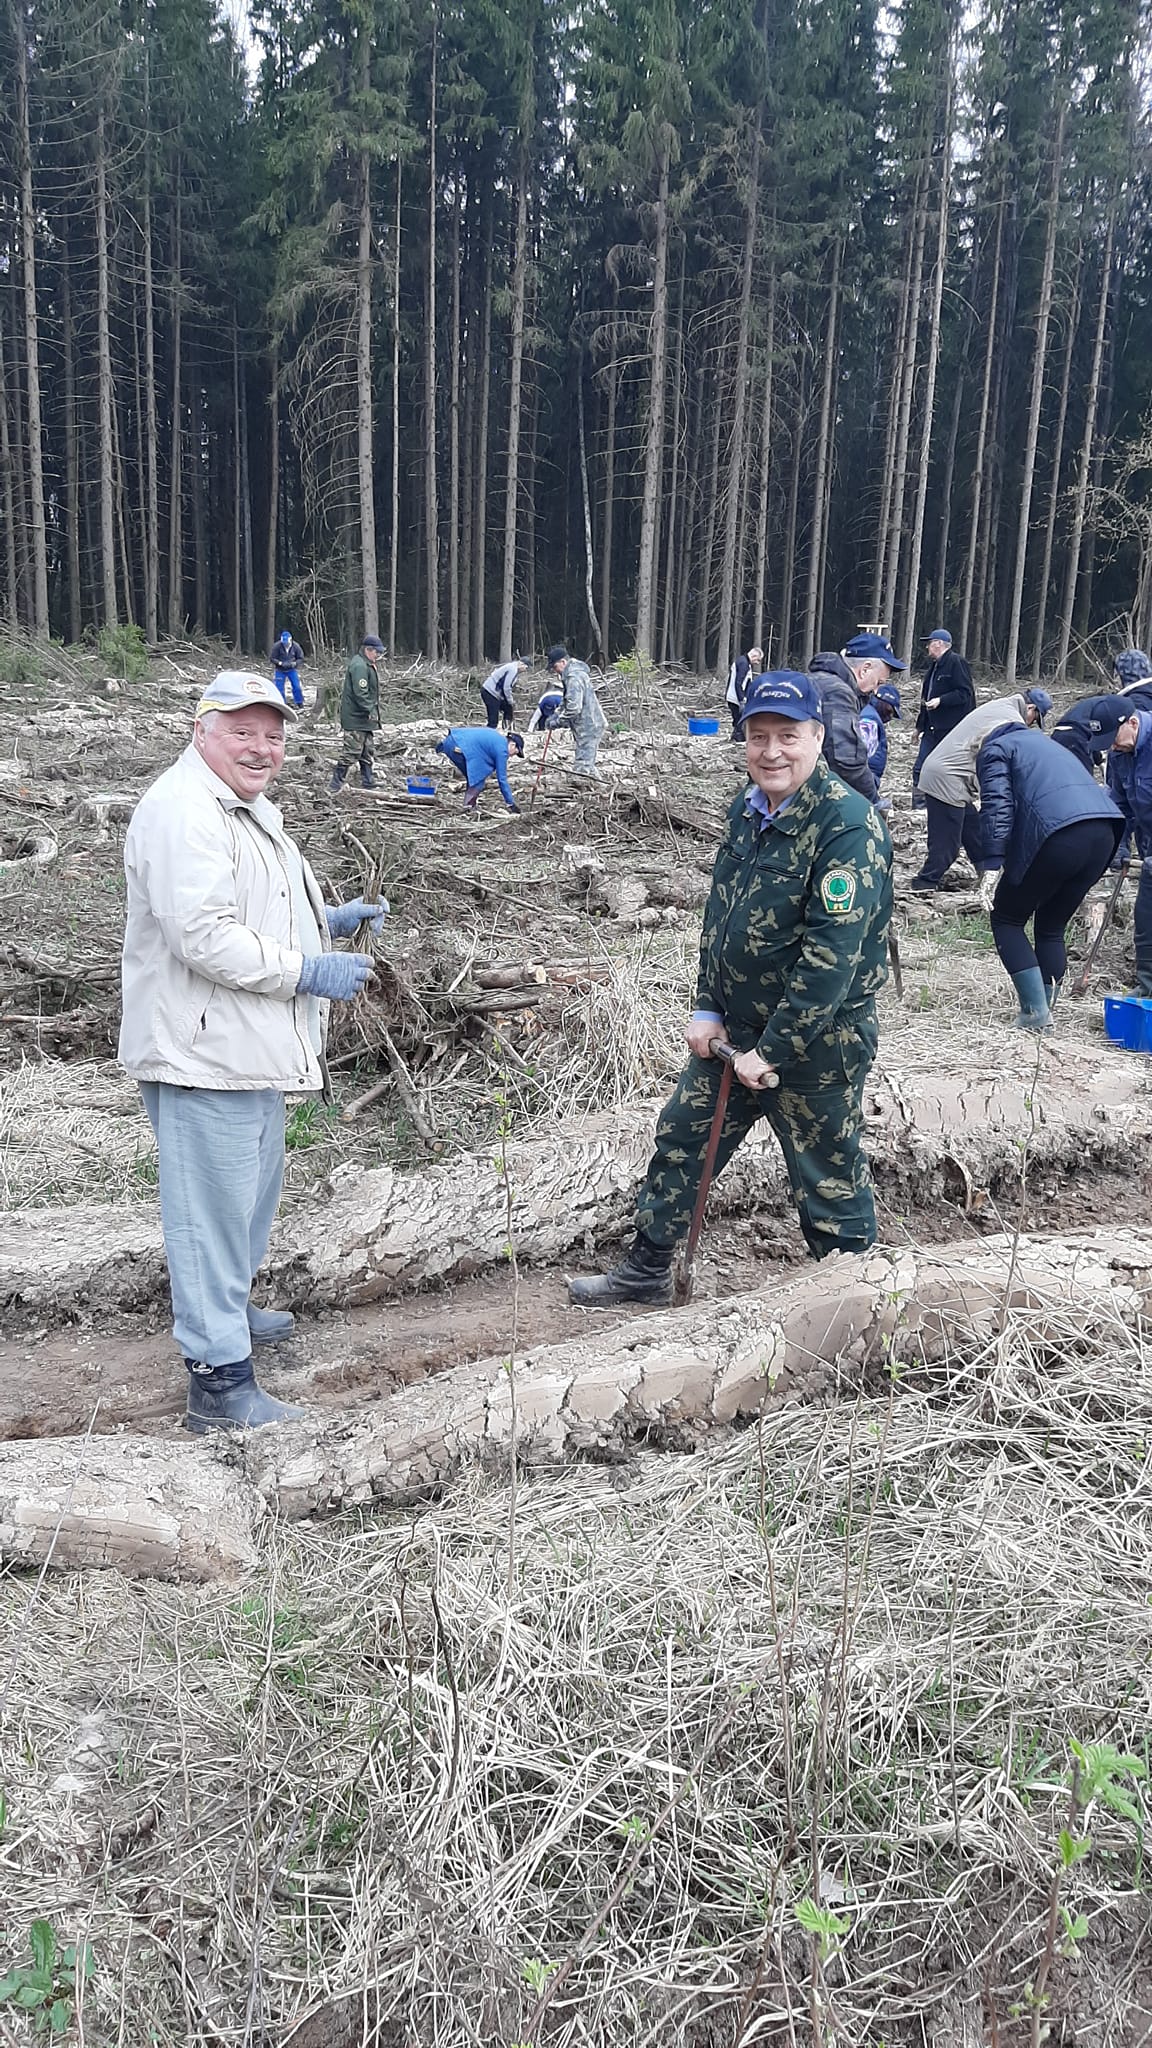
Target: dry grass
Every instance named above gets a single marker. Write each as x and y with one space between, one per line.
843 1660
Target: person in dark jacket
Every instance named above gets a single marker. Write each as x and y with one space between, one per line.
1130 781
946 696
1050 830
1088 728
497 693
792 956
286 657
845 681
743 671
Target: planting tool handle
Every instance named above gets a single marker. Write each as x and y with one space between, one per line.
721 1050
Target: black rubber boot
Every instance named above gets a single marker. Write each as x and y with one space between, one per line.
227 1397
643 1275
338 774
367 779
270 1325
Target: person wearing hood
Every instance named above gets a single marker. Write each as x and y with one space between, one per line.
845 681
286 657
1133 672
949 784
1130 781
946 696
1048 831
579 710
1088 727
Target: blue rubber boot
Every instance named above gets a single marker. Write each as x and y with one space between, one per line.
270 1325
1034 1011
227 1397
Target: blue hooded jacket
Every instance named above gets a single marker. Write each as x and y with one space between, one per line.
1030 789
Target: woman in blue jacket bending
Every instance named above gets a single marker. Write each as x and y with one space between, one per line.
1049 831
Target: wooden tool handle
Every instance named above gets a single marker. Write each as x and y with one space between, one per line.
721 1050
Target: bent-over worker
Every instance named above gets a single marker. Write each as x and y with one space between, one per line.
1088 727
580 708
227 974
497 692
477 753
949 786
794 950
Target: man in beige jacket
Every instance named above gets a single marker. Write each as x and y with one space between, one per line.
226 970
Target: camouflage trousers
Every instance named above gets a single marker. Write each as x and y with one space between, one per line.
817 1129
357 746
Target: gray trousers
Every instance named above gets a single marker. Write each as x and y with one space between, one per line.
221 1172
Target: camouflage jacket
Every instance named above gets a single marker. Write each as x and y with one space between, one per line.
796 923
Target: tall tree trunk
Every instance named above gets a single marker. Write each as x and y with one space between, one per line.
151 435
199 535
394 546
369 588
71 448
237 605
8 497
455 652
704 600
1080 502
941 580
431 521
176 461
480 589
903 351
1057 463
270 577
979 463
675 510
39 592
765 468
104 379
788 570
19 465
654 431
929 402
1032 431
515 379
904 425
724 649
585 500
812 620
609 474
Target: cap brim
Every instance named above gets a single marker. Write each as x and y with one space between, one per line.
214 704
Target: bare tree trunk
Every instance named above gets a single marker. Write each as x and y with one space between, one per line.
1057 462
39 591
479 594
71 450
979 464
236 602
902 348
609 475
394 547
273 496
904 426
788 572
176 465
431 522
812 621
151 435
120 500
528 480
19 466
707 552
765 468
104 379
454 648
369 587
1080 502
1032 432
675 510
199 536
589 598
948 485
515 380
7 497
654 431
724 649
929 404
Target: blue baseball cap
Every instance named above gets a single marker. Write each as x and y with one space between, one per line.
939 633
871 647
1041 700
783 692
888 694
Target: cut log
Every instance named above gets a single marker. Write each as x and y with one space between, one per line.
150 1509
931 1137
23 852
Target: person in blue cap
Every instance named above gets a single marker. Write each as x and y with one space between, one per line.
1130 782
793 952
950 786
879 709
286 657
946 696
1048 831
845 681
477 753
1088 727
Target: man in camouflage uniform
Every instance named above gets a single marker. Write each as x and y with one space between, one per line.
360 713
794 950
580 708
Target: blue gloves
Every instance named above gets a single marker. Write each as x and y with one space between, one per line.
348 917
340 975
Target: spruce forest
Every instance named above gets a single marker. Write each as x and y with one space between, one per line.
668 326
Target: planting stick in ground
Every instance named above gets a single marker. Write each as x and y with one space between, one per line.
1080 985
540 769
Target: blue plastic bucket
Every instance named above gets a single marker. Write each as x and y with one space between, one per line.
1115 1017
700 726
1128 1022
418 785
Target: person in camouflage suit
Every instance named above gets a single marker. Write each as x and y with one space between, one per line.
360 713
794 950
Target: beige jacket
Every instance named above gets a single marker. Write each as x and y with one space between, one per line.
949 773
212 944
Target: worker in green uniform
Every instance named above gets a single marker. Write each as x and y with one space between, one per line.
793 952
360 713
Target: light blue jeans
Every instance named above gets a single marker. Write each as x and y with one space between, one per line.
221 1171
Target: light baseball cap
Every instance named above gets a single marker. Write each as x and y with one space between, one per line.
235 689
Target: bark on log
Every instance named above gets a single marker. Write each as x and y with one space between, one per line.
157 1510
931 1137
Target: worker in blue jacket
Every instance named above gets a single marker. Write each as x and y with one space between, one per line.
1049 831
1130 781
479 753
1088 728
286 657
879 709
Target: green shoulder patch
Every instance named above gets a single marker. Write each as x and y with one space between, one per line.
838 891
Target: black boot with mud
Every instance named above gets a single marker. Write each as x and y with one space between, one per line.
644 1275
229 1397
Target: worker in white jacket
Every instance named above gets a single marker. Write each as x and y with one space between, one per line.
226 970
